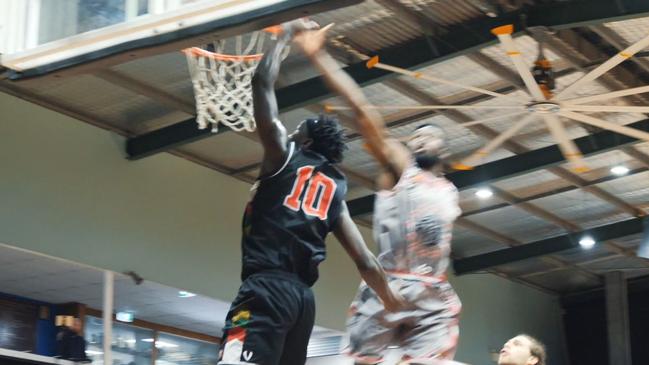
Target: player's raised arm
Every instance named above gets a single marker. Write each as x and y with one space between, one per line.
392 156
271 131
368 266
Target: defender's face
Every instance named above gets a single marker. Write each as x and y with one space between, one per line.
517 351
428 140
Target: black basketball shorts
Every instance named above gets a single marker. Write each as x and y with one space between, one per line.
269 322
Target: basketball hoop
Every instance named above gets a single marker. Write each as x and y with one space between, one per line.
222 79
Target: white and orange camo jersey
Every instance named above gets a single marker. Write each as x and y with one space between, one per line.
413 224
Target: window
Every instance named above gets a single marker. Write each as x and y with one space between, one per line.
131 345
176 350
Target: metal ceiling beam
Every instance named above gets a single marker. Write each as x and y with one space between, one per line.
498 69
499 237
486 232
554 192
619 253
637 155
598 192
457 40
521 164
546 246
617 41
565 43
164 139
142 88
534 209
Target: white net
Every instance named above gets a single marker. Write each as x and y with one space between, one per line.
222 81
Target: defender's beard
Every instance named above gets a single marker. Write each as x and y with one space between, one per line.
426 161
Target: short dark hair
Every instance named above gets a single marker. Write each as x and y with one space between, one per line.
328 137
537 349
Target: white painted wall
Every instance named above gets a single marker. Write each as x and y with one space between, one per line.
66 190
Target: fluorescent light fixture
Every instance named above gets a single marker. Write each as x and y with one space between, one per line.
619 170
91 352
124 317
162 344
131 341
484 193
587 242
185 294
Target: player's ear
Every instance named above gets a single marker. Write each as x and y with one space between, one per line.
307 142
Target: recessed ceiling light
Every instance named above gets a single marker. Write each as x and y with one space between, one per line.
484 193
587 242
185 294
620 170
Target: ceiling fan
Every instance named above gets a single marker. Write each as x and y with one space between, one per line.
540 102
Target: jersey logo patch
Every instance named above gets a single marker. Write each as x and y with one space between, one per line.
233 348
247 355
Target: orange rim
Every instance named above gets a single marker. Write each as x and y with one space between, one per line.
275 29
222 57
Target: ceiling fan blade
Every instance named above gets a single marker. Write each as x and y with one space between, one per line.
606 66
600 123
374 63
504 34
568 148
430 107
611 95
606 108
475 157
497 117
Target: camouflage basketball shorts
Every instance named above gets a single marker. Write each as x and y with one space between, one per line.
429 330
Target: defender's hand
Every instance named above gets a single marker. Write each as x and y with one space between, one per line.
297 26
312 41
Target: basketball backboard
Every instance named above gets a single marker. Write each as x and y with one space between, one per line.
42 36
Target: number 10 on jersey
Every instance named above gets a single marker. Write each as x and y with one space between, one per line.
314 182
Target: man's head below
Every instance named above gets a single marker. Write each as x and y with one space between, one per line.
427 145
522 350
323 135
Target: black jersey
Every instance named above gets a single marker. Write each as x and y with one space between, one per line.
290 214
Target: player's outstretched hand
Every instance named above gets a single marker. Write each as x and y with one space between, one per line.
312 41
297 26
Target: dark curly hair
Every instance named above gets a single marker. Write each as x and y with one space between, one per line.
328 137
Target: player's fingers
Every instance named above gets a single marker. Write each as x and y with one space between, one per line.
326 28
